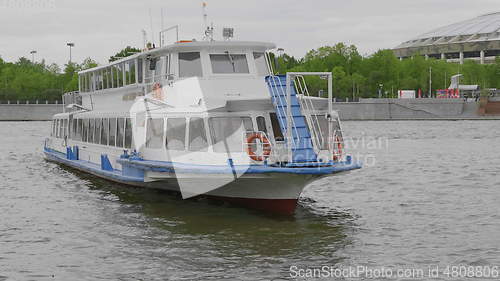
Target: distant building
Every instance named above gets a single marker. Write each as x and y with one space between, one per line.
475 39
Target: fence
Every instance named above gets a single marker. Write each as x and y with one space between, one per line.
30 102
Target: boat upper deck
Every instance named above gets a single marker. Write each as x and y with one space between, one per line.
181 74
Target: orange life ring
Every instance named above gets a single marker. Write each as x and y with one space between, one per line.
340 146
266 146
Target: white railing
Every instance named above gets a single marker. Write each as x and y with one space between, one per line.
336 145
291 76
308 106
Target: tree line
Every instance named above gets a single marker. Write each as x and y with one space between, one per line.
27 80
357 76
354 75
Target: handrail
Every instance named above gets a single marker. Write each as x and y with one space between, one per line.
268 64
316 128
328 75
335 152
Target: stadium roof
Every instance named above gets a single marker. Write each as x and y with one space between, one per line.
482 28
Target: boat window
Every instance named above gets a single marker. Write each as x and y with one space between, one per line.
114 70
109 77
229 63
91 82
112 131
105 78
152 63
119 75
65 128
260 63
261 124
176 133
85 127
97 131
77 128
97 84
197 135
91 131
139 70
127 72
132 72
56 132
80 129
167 66
154 133
120 132
100 74
278 135
228 132
59 128
88 82
158 69
81 79
104 131
128 133
190 64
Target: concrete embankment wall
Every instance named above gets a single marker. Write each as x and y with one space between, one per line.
409 109
365 109
29 112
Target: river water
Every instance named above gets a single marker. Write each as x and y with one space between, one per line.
429 195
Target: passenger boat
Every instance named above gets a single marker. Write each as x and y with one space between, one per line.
203 118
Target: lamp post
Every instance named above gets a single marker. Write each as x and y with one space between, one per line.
33 56
70 45
380 86
430 82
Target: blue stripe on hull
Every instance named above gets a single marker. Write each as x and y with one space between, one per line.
169 167
134 168
90 167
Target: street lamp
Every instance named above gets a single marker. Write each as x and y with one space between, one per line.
33 56
380 86
70 45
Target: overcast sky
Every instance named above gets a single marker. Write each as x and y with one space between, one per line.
99 28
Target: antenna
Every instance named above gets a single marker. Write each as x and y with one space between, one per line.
144 38
162 28
205 16
151 23
209 30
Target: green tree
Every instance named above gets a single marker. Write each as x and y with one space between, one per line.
128 51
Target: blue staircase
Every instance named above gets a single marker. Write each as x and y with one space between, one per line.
301 143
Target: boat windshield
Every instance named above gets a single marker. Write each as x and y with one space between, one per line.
227 132
229 63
